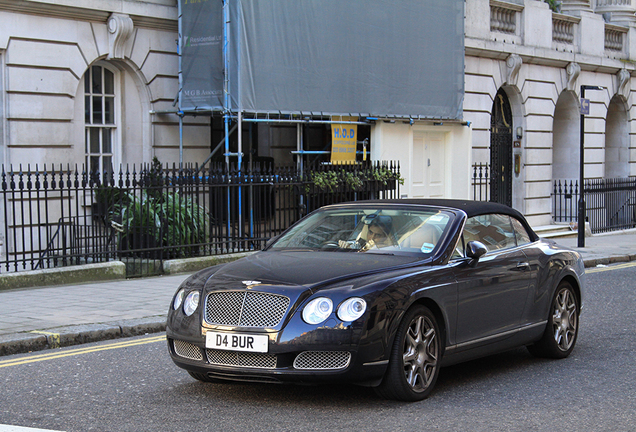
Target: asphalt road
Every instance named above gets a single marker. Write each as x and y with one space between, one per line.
132 385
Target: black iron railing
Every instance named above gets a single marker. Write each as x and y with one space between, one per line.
66 216
610 203
565 201
481 182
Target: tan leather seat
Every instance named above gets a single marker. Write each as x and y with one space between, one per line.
424 234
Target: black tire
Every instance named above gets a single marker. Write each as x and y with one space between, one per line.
415 358
562 329
202 377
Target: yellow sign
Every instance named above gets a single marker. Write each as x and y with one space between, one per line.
344 140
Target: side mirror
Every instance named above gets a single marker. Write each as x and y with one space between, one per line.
475 250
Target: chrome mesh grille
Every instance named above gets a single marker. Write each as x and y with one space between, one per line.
235 358
245 309
322 360
224 307
187 350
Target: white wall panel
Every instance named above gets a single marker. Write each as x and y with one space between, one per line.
477 102
39 134
46 54
26 79
39 106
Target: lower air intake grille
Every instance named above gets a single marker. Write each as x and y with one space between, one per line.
234 358
187 350
322 360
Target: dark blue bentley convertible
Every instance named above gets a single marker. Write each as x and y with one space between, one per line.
382 294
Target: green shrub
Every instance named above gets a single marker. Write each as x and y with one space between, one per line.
160 219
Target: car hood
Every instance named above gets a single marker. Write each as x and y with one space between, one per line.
307 269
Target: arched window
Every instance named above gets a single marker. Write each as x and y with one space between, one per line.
100 104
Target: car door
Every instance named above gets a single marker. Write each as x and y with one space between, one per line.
538 291
491 292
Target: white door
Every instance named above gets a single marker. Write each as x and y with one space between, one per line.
428 165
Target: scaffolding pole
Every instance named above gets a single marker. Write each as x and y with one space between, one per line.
180 112
226 104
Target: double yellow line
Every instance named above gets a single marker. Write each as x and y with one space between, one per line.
612 267
79 351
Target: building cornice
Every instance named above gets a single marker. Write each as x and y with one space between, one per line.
565 17
507 5
144 14
545 57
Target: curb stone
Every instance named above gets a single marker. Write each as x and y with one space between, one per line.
19 343
109 271
593 262
38 340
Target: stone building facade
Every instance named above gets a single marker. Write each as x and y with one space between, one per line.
92 81
80 78
535 60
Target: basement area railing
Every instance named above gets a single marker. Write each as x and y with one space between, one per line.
610 203
145 215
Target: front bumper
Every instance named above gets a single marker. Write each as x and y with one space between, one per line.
305 366
296 351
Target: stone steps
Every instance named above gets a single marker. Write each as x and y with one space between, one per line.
556 231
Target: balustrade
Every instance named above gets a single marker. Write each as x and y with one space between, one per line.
614 37
562 29
503 19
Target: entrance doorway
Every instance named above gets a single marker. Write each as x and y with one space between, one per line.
501 150
428 165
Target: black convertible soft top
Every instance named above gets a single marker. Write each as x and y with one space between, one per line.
471 208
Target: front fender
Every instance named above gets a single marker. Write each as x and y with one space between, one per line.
431 288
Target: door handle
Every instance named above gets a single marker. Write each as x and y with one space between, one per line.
523 266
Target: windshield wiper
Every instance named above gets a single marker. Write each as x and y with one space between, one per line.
374 252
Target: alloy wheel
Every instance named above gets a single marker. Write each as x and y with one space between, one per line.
421 353
565 319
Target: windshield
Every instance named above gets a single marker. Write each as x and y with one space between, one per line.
367 230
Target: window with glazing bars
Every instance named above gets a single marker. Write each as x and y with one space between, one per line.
99 117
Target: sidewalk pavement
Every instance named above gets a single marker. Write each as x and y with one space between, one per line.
603 249
33 319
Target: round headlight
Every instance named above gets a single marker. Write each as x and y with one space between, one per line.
317 310
178 299
191 303
352 309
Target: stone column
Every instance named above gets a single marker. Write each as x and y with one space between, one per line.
574 7
621 12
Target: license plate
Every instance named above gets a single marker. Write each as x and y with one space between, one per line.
236 342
